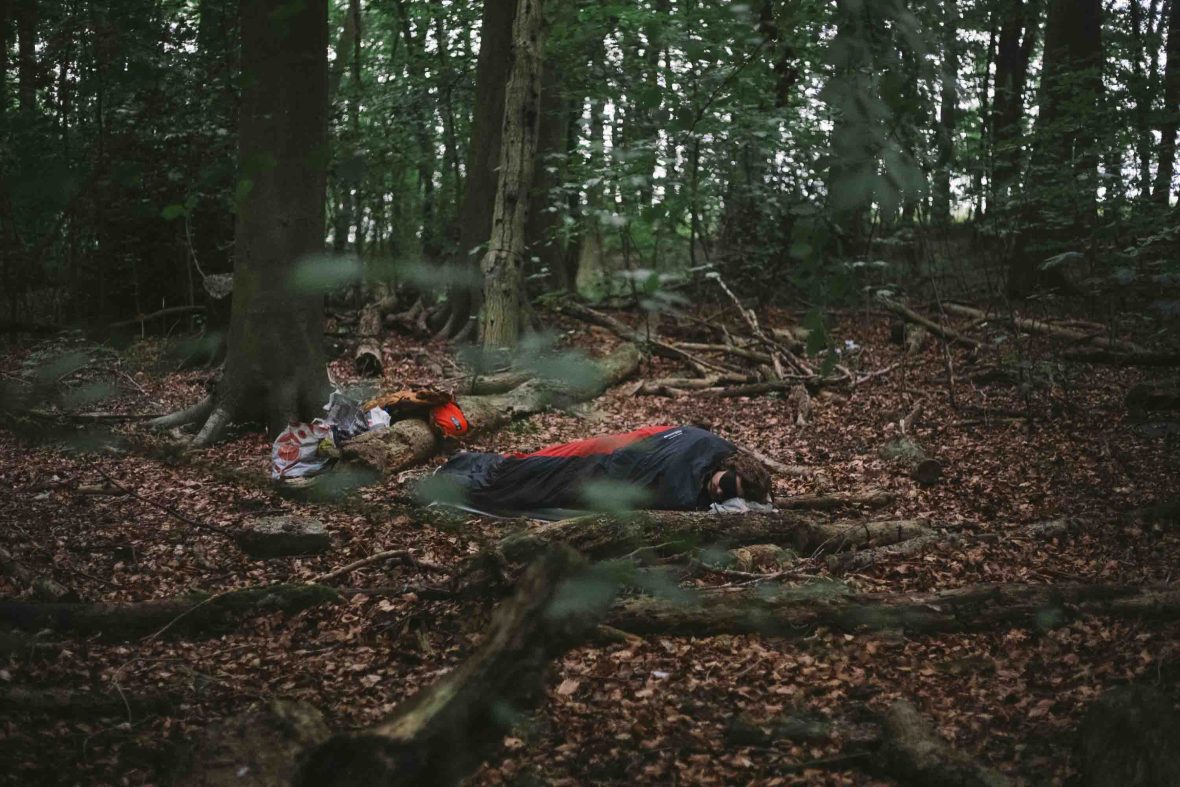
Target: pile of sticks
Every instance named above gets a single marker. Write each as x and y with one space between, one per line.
753 364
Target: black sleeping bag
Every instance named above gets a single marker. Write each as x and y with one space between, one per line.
657 467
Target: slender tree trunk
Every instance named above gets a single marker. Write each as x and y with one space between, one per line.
275 366
1018 35
5 15
949 111
1171 115
541 241
1141 92
479 192
26 30
503 264
984 165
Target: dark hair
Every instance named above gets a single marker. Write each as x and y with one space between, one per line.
755 479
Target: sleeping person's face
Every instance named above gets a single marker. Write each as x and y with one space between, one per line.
724 484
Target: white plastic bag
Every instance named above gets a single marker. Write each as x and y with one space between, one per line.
296 451
378 418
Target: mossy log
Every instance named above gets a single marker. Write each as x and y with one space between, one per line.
442 733
409 442
913 754
196 614
800 611
604 536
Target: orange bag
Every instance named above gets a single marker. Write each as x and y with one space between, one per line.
449 420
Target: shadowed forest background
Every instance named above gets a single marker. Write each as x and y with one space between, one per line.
920 259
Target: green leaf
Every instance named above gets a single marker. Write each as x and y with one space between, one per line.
173 212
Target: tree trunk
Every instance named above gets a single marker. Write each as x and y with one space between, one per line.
541 240
26 30
949 112
1063 206
1171 115
609 536
5 15
275 366
1018 35
798 612
445 731
408 442
483 163
503 263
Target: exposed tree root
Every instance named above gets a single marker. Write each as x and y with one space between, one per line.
609 536
197 614
913 754
444 732
187 417
799 612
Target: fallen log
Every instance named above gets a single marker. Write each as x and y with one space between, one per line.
367 359
197 614
1142 358
800 611
1148 397
408 442
1029 325
601 537
909 315
444 732
82 703
858 498
922 467
913 754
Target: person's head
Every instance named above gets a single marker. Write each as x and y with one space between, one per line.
740 475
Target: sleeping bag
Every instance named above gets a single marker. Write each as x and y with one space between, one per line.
666 467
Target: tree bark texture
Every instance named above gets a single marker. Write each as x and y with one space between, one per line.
503 263
406 443
799 612
442 733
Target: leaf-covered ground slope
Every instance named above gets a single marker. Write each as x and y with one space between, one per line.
138 520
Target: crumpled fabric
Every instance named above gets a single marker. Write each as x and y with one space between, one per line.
739 505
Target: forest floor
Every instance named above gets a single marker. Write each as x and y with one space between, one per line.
661 709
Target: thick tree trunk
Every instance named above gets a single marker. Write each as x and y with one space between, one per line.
800 611
483 163
608 536
275 366
406 443
1170 122
503 263
441 734
205 615
1065 149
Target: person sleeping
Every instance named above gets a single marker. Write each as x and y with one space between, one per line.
680 468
